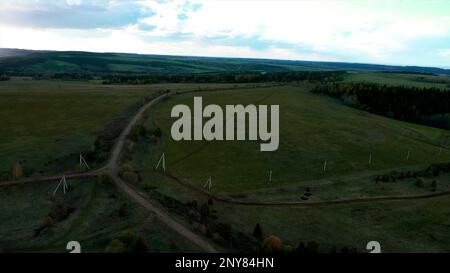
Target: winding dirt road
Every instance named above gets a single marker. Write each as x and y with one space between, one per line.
113 168
233 201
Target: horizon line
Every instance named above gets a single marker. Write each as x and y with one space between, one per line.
227 57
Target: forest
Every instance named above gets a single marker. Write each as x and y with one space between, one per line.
429 106
227 77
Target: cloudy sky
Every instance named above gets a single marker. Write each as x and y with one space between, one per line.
386 31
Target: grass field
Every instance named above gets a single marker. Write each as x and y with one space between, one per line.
101 214
46 120
313 129
410 80
401 226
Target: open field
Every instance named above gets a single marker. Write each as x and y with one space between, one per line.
410 80
314 129
100 214
45 121
400 226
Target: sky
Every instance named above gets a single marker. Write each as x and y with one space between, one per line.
399 32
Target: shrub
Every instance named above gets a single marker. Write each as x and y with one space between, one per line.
130 176
115 246
312 247
434 185
128 237
272 244
301 248
157 132
105 178
140 245
17 172
385 178
130 146
138 131
5 176
80 168
123 210
204 211
48 222
217 238
420 182
224 229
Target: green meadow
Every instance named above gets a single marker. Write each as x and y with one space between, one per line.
399 226
42 121
410 80
314 129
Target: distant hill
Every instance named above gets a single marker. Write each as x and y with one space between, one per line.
28 62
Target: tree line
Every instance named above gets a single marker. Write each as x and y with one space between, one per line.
429 105
227 77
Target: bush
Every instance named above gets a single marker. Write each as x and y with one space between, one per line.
130 146
130 176
48 222
272 244
420 182
218 239
157 132
312 247
80 168
105 178
115 246
225 230
140 245
5 176
123 210
204 211
301 248
17 171
139 131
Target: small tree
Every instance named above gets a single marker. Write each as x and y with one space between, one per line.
312 247
434 185
257 231
272 244
17 171
301 247
115 246
204 211
141 245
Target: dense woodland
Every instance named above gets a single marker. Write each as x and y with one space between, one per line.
225 77
428 106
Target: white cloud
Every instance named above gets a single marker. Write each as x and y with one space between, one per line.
374 31
445 53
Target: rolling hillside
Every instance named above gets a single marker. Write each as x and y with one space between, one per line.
26 62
